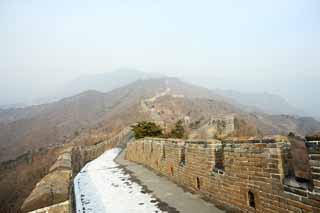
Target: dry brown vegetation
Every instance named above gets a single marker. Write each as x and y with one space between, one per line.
18 177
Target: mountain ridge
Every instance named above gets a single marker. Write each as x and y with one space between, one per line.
57 122
106 82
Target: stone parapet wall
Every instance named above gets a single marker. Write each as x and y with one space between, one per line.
55 187
246 175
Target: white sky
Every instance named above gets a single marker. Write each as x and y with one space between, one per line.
251 46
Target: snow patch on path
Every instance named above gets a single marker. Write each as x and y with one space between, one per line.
102 186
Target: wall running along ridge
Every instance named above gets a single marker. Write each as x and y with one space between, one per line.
251 176
55 189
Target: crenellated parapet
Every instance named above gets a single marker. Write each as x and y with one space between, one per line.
260 175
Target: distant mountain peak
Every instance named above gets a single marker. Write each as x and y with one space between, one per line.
105 82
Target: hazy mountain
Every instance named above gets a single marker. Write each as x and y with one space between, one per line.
11 106
38 126
265 102
105 82
55 123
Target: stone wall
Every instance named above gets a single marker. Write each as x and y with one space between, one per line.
55 187
84 154
251 176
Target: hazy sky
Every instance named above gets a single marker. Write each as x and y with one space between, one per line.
255 46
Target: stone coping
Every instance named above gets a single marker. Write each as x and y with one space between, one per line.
264 140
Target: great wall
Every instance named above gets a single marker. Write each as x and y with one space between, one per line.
246 175
250 176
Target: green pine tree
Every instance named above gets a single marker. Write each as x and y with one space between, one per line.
146 129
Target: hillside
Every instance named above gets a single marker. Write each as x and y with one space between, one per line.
106 82
265 102
56 123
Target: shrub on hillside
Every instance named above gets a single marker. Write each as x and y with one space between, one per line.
146 129
178 131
